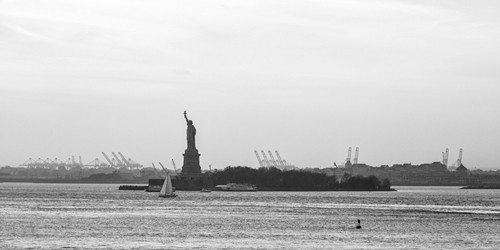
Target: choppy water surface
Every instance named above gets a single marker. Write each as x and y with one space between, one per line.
86 216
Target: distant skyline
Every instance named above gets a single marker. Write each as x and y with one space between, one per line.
402 80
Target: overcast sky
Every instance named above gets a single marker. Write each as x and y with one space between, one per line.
402 80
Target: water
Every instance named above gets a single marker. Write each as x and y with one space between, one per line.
99 216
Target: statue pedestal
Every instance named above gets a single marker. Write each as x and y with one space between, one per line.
191 162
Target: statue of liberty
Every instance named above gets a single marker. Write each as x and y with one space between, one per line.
191 132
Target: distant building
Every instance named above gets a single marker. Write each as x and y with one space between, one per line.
429 174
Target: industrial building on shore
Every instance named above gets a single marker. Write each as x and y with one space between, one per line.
407 174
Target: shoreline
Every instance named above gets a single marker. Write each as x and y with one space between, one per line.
70 181
298 189
145 182
481 187
267 189
131 186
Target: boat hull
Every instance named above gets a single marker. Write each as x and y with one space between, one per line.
168 196
236 187
237 190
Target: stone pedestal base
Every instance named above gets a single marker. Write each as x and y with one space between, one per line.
191 162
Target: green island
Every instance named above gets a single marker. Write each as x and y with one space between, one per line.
273 179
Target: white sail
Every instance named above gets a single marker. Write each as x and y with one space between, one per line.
166 189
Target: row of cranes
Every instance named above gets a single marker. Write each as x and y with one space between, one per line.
456 164
70 163
175 172
116 162
273 162
53 163
347 162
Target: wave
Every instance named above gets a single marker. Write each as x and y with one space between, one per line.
404 208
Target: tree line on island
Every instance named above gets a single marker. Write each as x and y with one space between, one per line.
275 179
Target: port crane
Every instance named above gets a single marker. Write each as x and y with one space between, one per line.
445 157
127 163
68 162
347 162
279 158
164 169
95 163
349 154
173 163
111 163
272 158
265 158
120 163
258 158
356 154
458 162
156 172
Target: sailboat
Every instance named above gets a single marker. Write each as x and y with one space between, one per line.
166 190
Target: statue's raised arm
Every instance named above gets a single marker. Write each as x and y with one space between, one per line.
185 116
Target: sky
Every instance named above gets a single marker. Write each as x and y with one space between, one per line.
402 80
